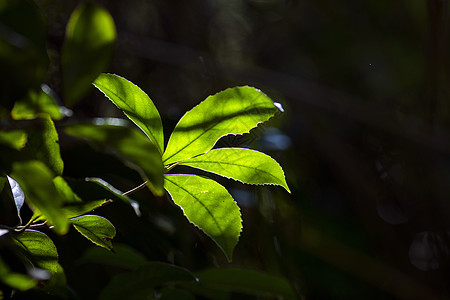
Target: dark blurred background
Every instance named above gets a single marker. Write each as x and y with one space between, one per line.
364 139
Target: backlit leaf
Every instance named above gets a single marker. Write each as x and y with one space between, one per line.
97 229
209 206
43 144
140 284
244 165
39 248
136 105
15 139
129 145
37 102
87 50
36 181
232 111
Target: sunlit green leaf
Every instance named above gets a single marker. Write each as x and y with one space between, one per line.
128 144
136 105
37 102
43 144
97 229
15 139
87 50
39 248
209 206
232 111
73 205
36 181
246 281
140 284
244 165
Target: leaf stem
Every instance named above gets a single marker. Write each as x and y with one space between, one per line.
139 187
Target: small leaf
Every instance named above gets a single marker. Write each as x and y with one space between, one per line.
17 193
136 105
43 144
245 281
129 145
97 229
244 165
15 139
39 248
87 49
209 206
232 111
36 181
140 284
36 103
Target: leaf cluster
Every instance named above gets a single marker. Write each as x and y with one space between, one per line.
41 202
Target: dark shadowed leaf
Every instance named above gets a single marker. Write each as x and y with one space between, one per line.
209 206
232 111
15 280
23 52
39 249
97 229
244 165
87 50
130 145
136 105
36 181
246 281
123 257
140 284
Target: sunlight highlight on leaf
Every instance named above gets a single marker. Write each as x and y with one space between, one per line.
209 206
244 165
232 111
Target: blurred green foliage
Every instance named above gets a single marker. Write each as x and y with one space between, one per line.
364 140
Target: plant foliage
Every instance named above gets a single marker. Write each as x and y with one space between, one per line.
32 168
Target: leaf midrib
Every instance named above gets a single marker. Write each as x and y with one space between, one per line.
229 163
155 140
198 200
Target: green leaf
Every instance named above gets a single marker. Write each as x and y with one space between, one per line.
232 111
43 144
38 102
97 229
74 206
140 284
129 145
123 256
15 280
39 248
136 105
246 281
23 53
15 139
87 49
36 181
245 165
209 206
